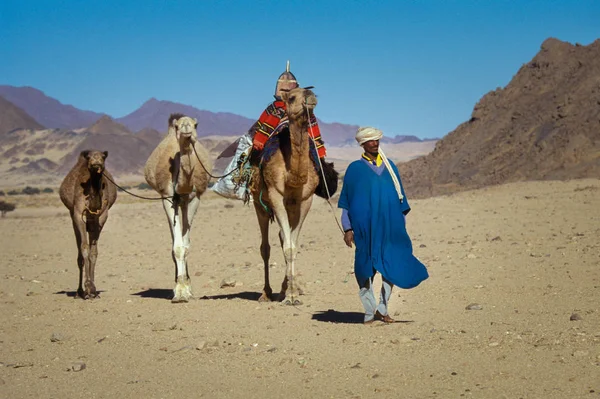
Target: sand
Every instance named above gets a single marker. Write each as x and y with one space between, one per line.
525 256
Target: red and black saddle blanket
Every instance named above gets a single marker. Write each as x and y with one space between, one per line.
280 140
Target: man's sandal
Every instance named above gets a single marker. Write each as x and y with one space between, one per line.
385 319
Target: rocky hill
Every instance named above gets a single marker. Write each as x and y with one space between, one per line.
13 117
545 124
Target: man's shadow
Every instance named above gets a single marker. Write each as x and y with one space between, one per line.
333 316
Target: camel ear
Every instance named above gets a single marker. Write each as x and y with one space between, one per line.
105 153
174 123
85 154
195 123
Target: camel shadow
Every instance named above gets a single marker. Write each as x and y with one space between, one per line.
164 293
156 293
246 295
73 294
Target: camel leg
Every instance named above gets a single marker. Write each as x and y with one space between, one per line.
182 291
296 220
189 207
94 236
188 213
296 215
80 261
265 250
289 251
79 226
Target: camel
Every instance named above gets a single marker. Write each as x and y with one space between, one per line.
285 184
179 174
88 195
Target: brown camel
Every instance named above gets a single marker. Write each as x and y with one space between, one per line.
88 195
285 184
175 172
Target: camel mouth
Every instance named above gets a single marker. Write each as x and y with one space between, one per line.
97 168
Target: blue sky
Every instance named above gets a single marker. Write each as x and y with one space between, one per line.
408 67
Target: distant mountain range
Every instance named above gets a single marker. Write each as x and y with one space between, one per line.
153 114
40 138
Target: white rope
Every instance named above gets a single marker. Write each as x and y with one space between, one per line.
323 172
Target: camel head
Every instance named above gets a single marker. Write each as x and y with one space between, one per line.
95 160
185 128
298 101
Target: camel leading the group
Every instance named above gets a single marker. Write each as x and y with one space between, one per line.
285 184
177 170
88 195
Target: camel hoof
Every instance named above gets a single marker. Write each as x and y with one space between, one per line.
292 302
182 291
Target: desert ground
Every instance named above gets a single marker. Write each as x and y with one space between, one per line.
511 308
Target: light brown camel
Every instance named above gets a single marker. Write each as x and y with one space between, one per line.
88 195
285 183
174 171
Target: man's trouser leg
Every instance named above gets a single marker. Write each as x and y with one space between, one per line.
367 297
384 297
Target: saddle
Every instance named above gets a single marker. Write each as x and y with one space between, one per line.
280 140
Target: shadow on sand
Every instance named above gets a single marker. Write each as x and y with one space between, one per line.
333 316
163 293
157 293
73 294
246 295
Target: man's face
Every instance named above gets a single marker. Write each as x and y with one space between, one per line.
371 146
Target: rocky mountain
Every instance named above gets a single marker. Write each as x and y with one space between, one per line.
128 152
155 114
545 124
46 110
13 117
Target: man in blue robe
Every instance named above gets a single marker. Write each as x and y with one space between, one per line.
374 209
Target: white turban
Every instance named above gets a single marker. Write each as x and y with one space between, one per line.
364 134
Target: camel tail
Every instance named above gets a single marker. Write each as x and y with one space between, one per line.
331 178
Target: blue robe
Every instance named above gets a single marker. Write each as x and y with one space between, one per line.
376 214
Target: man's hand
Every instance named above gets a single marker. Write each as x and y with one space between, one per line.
349 238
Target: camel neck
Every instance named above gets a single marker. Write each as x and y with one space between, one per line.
94 191
299 160
96 181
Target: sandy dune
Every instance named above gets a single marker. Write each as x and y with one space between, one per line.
528 254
